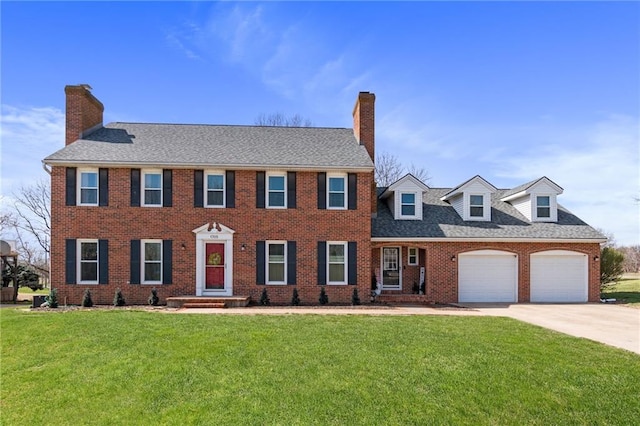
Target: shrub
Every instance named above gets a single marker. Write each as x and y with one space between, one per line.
264 298
324 299
295 300
52 298
118 298
87 302
611 269
153 297
355 299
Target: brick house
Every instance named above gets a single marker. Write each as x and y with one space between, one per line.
210 210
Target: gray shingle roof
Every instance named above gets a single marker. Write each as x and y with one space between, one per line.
525 186
440 220
212 146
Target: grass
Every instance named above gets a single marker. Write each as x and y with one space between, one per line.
627 291
128 367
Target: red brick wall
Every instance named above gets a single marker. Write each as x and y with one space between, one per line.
120 223
83 111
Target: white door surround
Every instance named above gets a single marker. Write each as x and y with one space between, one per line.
391 268
214 233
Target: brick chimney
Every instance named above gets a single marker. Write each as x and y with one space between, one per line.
83 112
364 131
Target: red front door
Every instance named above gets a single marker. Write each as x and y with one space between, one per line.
214 266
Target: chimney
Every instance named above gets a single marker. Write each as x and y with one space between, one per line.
364 122
83 112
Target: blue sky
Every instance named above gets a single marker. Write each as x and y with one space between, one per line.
508 90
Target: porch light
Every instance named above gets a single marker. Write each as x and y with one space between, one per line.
183 246
453 258
243 247
596 258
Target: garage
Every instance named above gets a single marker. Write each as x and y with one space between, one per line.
487 276
559 276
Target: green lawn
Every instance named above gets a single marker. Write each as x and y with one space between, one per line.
132 367
25 290
627 290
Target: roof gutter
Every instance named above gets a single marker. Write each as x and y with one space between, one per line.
44 166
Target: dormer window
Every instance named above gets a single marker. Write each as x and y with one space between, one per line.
476 206
543 206
407 204
404 198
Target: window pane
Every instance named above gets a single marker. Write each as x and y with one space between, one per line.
336 273
276 183
88 196
544 212
276 252
408 210
543 201
88 251
476 200
152 196
336 200
408 198
276 272
152 251
153 180
152 272
276 199
89 180
336 253
336 184
89 271
215 198
215 182
476 211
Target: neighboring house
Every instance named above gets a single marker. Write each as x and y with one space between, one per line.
211 210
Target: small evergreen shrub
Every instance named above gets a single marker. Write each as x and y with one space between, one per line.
264 298
118 298
355 299
153 298
324 299
295 300
87 302
52 298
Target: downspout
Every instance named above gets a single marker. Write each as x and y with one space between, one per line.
44 166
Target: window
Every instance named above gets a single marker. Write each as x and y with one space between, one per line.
413 256
336 265
88 261
215 190
88 194
152 194
407 204
276 190
276 262
543 206
152 262
476 205
336 193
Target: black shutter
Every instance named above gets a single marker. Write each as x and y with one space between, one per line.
70 261
167 261
260 190
103 187
322 190
167 187
135 262
230 201
352 191
260 262
291 262
322 262
291 190
352 266
135 187
103 262
71 186
198 191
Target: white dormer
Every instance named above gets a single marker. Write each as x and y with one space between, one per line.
536 200
404 198
472 199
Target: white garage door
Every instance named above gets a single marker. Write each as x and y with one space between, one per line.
559 276
487 276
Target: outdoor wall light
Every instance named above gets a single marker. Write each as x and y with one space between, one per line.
243 247
453 258
183 246
596 258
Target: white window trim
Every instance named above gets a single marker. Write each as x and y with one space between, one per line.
142 261
206 189
346 262
345 200
79 261
143 187
267 190
552 208
472 217
266 262
409 255
415 205
79 187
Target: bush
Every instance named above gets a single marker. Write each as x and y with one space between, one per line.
87 302
153 297
264 298
324 299
611 265
118 298
52 298
355 299
25 275
295 300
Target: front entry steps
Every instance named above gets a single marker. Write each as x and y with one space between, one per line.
208 301
404 299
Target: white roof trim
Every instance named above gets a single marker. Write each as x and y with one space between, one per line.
460 188
485 240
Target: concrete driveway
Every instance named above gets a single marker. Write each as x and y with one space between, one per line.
612 325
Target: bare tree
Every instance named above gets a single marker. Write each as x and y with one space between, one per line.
281 120
631 258
389 169
419 172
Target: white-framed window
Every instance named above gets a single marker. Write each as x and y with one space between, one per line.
277 190
276 262
337 262
214 189
407 204
543 207
337 191
476 206
88 261
152 188
151 261
412 256
88 187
